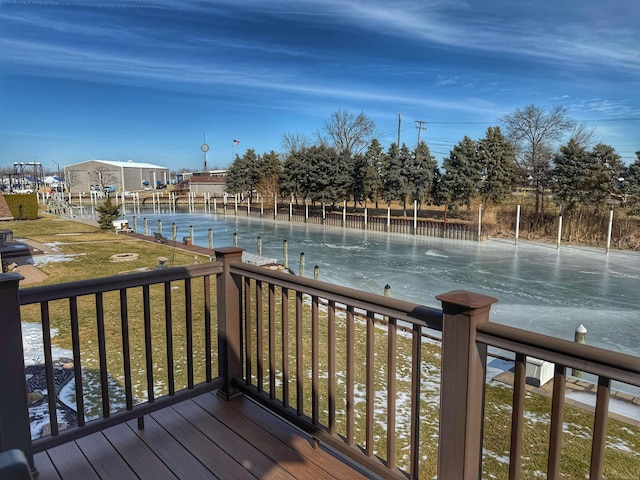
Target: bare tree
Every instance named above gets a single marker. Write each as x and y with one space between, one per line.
534 131
293 142
583 135
71 179
350 133
103 176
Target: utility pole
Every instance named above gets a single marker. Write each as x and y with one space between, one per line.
205 148
420 128
399 123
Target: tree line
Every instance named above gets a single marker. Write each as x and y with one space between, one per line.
346 162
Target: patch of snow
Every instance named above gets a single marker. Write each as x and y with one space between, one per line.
34 348
46 259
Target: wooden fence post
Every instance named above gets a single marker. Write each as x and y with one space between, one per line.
462 384
229 290
15 431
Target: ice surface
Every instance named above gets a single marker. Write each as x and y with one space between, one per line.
539 288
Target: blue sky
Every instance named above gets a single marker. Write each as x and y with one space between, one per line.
143 80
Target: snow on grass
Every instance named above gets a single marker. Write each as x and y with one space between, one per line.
34 348
46 259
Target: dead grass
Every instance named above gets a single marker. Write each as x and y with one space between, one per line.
91 260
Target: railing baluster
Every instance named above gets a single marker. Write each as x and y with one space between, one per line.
557 418
77 367
248 331
48 365
259 338
126 353
102 354
370 384
147 342
272 341
315 362
168 321
350 372
416 370
517 415
299 356
189 330
391 391
207 328
598 444
285 346
331 367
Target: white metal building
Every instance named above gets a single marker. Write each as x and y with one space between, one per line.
117 176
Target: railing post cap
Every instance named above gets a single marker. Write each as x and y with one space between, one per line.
223 252
8 279
466 299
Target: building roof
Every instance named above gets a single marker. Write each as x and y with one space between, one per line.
128 164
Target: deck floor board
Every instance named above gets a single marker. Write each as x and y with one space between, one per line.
202 438
142 460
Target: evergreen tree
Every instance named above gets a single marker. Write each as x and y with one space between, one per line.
107 213
357 187
373 167
244 174
462 176
237 180
407 190
328 176
631 186
269 171
419 173
605 168
393 175
294 178
568 175
438 194
497 162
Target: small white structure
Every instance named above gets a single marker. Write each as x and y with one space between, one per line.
122 226
539 371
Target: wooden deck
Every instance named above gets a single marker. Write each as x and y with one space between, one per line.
197 439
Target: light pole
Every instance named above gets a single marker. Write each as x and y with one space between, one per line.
57 174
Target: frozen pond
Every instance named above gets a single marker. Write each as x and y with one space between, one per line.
538 288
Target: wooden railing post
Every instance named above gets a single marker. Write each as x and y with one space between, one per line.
15 431
462 384
229 322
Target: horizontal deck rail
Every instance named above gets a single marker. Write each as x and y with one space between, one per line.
84 306
348 367
606 365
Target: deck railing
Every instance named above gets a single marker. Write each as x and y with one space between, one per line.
353 369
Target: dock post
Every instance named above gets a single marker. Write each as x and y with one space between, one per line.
580 336
285 254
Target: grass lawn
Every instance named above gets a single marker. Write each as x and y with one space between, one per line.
89 255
